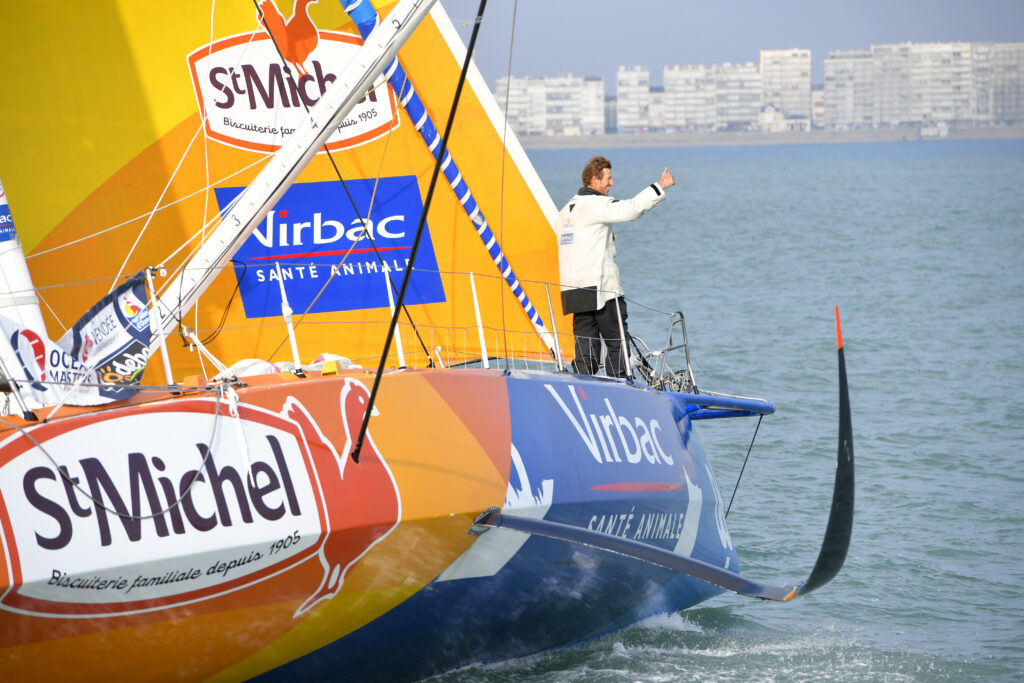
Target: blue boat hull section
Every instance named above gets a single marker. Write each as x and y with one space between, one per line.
597 454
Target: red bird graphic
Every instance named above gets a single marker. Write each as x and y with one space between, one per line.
295 38
362 499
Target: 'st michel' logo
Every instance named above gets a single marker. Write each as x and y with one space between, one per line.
120 522
250 99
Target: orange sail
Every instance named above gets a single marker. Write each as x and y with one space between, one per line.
149 137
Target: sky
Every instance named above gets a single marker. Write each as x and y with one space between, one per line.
593 37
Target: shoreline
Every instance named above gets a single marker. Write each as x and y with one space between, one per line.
615 140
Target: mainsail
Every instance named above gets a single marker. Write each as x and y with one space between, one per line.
174 116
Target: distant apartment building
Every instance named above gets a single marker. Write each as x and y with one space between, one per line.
610 110
940 78
923 84
656 113
523 100
927 85
849 92
786 82
998 81
554 105
592 105
737 96
689 97
633 99
706 98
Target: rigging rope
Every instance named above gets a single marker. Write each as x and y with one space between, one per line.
73 481
504 135
149 218
736 488
419 229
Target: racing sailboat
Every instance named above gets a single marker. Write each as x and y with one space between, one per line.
314 418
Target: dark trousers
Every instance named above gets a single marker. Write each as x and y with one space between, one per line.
590 327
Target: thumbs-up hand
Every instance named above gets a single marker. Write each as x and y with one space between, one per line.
667 179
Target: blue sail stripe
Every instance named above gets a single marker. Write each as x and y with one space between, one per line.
422 121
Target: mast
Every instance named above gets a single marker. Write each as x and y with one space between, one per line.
252 205
18 299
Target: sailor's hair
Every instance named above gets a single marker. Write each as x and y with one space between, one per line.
593 169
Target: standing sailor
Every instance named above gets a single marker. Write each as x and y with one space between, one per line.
591 288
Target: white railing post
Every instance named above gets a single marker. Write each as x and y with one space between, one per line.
479 323
286 313
626 356
554 329
160 332
391 307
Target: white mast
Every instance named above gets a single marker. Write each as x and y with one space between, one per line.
252 205
17 294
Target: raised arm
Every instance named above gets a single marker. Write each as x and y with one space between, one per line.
622 210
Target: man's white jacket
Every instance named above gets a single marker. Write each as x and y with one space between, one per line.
586 245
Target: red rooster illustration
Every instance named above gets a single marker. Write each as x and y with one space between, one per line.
295 38
362 499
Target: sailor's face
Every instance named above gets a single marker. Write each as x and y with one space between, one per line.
602 183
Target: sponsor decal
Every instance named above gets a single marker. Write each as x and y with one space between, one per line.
123 370
640 525
7 230
115 521
612 435
135 311
249 99
113 336
330 258
656 526
30 349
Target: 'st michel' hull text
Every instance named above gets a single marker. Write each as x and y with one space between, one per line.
150 503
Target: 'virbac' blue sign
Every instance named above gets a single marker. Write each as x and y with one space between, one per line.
331 259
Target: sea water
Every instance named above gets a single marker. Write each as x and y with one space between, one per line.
921 245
